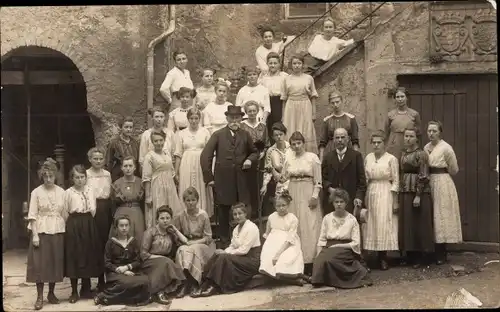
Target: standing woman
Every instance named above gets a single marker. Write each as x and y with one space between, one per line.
81 241
159 116
300 94
337 119
189 144
303 169
46 218
122 146
158 178
268 45
260 138
177 119
382 174
443 164
176 78
206 92
398 120
253 91
214 114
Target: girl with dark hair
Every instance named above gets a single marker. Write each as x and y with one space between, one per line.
214 117
82 238
177 119
253 91
268 45
176 78
125 144
206 92
46 216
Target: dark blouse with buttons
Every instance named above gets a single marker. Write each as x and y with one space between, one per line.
116 255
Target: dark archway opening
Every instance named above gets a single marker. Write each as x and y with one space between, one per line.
44 88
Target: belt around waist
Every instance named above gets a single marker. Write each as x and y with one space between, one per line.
433 170
181 128
277 96
300 178
331 242
298 98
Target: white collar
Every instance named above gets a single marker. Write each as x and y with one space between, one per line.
342 152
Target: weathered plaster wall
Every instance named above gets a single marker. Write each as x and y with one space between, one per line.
401 46
108 44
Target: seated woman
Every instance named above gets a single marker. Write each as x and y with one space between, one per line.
230 270
196 233
337 262
124 283
165 276
281 256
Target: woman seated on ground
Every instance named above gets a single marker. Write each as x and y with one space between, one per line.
165 276
124 283
281 256
337 262
198 247
230 270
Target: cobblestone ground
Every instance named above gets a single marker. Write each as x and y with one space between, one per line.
399 287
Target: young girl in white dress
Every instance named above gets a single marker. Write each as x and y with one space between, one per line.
281 256
177 120
206 92
214 117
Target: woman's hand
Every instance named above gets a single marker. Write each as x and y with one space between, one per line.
416 201
261 155
395 207
149 199
313 202
171 229
36 240
189 243
263 190
129 273
122 269
219 251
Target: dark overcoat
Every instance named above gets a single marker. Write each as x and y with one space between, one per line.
348 174
229 177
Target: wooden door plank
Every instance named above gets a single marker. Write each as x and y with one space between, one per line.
461 153
437 103
448 119
427 104
494 215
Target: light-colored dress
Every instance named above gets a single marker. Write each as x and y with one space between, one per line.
159 170
177 119
447 223
174 80
204 96
304 173
214 116
323 49
194 257
188 147
382 226
259 94
395 126
291 262
262 52
297 91
275 158
146 145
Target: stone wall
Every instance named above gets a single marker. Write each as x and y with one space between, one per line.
108 44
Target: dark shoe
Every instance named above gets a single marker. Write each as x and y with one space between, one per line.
74 298
86 294
39 303
52 299
384 266
317 285
162 299
185 289
212 290
195 292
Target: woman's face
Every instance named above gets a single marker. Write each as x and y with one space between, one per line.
194 120
377 144
127 128
297 146
164 220
336 104
191 203
252 78
208 77
273 64
252 112
185 99
49 178
221 93
239 215
297 65
433 132
339 204
281 206
128 167
123 227
97 160
278 136
328 28
400 98
79 179
410 138
158 119
268 38
181 60
158 142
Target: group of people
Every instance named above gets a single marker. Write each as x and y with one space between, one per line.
139 219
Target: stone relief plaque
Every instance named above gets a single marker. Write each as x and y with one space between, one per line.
462 31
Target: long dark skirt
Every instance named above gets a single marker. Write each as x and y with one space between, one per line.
231 273
416 231
312 64
103 220
82 247
163 274
275 115
137 223
338 267
46 262
123 289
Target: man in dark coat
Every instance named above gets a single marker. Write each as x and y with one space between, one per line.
344 168
235 153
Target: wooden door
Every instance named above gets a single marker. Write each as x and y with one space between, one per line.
467 107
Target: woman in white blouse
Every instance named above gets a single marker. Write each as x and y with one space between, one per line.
268 45
81 239
338 253
323 47
214 117
230 270
176 78
253 91
46 221
177 119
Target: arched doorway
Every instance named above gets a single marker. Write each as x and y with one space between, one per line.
44 102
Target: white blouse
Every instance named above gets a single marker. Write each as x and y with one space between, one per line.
262 52
245 239
346 228
178 119
323 49
100 182
204 96
174 80
214 116
259 94
442 156
146 145
273 83
80 201
47 209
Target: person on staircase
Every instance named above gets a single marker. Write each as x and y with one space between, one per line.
176 78
253 91
268 45
177 119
